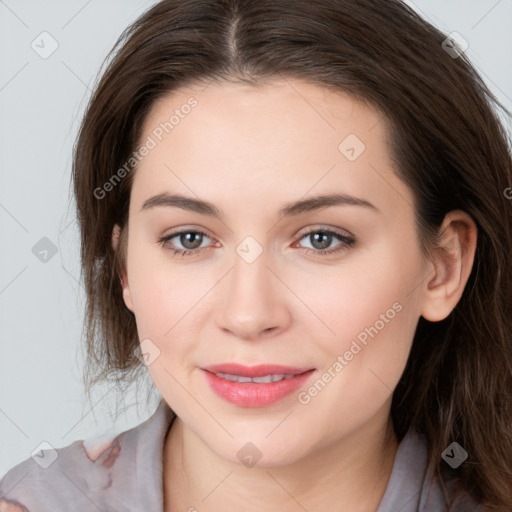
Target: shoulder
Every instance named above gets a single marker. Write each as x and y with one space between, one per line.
57 474
97 474
411 488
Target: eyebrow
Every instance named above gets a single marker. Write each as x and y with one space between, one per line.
289 210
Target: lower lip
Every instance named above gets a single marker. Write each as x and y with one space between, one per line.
254 394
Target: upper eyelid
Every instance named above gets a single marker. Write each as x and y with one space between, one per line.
302 232
336 231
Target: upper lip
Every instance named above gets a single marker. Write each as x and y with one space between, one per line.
254 371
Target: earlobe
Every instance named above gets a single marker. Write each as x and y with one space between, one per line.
127 297
452 262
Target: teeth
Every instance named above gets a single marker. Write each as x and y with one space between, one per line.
265 379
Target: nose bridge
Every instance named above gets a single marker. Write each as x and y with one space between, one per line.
253 303
252 255
250 278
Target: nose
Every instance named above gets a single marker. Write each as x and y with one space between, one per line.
254 302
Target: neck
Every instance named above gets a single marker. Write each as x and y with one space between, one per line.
352 473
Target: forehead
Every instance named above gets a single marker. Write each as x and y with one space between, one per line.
271 109
284 138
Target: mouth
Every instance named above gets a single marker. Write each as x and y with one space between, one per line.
264 379
255 386
261 370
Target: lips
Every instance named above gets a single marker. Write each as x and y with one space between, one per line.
255 386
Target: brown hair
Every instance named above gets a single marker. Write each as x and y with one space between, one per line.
447 143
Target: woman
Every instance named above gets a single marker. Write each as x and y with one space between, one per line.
295 216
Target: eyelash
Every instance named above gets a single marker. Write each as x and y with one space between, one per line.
347 242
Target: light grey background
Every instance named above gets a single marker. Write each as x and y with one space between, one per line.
41 101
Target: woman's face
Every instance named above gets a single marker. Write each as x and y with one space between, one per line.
335 289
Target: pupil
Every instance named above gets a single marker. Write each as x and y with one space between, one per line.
325 243
187 236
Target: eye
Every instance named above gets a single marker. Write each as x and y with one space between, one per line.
190 239
322 238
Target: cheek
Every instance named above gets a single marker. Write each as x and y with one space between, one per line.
162 291
169 306
371 343
368 317
172 302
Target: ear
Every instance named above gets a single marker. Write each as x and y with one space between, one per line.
452 262
127 297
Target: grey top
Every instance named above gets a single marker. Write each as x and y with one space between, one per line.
125 474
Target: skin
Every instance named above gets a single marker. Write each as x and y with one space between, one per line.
249 151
